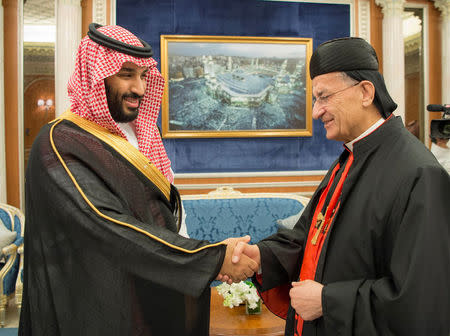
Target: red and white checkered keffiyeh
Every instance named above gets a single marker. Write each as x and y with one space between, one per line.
87 93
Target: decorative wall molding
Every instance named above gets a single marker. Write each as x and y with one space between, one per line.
298 182
251 174
34 49
113 7
413 44
249 185
69 2
38 68
391 7
99 12
443 6
364 19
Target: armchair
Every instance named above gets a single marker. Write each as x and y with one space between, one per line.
11 238
226 212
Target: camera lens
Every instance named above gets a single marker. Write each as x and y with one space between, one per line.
440 128
446 129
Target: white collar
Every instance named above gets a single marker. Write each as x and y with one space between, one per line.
129 130
372 128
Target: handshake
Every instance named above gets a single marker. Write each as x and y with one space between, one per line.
241 260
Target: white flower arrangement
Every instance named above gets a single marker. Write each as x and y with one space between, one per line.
237 293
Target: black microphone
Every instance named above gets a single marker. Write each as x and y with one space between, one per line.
437 107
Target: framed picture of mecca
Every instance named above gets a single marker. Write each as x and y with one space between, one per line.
234 86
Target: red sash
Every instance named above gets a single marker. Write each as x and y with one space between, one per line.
320 226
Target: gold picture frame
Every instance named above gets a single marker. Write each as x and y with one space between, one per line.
236 86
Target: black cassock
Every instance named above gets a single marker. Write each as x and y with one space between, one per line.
87 275
385 263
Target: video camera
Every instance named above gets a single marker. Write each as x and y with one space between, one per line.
440 128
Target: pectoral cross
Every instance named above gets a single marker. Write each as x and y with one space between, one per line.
320 221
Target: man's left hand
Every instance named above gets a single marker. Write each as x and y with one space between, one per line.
306 299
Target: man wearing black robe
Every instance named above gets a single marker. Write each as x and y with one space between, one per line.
103 256
371 253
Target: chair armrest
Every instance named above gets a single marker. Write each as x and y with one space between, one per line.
10 254
9 250
19 241
19 281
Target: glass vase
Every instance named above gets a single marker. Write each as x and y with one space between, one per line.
253 311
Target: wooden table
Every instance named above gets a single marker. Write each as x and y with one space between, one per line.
234 321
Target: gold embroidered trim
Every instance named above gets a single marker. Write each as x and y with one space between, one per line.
92 206
124 148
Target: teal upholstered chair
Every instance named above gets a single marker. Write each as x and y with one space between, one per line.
11 239
227 213
19 226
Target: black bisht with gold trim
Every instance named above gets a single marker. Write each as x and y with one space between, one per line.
86 273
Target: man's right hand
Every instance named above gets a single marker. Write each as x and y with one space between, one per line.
238 270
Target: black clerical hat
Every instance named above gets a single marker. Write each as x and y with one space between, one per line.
343 54
358 59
